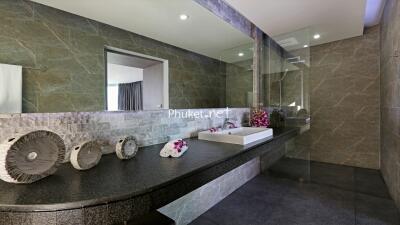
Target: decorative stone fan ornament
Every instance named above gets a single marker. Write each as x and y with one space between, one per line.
30 157
86 155
126 148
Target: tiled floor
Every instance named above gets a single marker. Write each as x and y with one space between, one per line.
336 195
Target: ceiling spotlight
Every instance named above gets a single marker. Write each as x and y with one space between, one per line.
241 54
317 36
183 17
305 46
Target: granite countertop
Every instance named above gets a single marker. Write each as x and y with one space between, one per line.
114 180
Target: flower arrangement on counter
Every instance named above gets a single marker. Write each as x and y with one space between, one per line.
259 118
214 129
179 145
174 149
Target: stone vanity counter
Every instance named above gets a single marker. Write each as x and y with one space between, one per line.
116 190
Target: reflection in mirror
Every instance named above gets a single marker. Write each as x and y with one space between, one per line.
135 81
60 48
239 75
10 89
286 73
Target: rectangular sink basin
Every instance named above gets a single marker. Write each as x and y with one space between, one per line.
239 136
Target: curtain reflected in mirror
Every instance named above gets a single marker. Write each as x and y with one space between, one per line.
130 96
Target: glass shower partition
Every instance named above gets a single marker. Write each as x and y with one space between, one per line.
285 94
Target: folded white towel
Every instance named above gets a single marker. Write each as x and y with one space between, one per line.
174 148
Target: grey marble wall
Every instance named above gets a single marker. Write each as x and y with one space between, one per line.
390 97
239 86
291 88
148 127
187 208
63 59
345 103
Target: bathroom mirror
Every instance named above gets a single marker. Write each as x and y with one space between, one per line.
135 81
67 57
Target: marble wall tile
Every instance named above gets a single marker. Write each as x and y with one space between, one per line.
345 101
187 208
63 59
239 86
291 89
390 97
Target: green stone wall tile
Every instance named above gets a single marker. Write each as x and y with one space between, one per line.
390 98
67 52
63 56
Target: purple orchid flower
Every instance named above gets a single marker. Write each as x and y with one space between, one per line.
179 144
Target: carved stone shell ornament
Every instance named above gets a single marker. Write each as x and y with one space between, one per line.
126 148
30 157
86 155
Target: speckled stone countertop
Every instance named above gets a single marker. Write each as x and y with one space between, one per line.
113 180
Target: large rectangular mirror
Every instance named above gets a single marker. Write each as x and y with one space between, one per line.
126 55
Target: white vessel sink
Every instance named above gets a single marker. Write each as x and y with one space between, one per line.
239 136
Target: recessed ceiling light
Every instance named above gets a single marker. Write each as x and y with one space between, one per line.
241 54
183 17
305 46
317 36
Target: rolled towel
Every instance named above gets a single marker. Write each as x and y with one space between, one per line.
174 149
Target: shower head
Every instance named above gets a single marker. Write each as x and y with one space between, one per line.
295 60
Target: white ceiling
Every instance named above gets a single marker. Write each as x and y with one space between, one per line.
132 61
203 32
333 19
119 74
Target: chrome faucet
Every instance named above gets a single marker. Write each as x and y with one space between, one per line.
228 125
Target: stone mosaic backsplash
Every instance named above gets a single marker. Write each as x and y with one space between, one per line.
148 127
